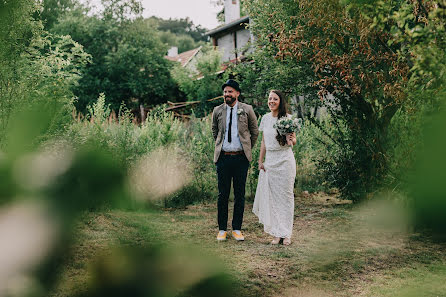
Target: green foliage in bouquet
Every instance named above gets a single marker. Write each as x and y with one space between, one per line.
287 125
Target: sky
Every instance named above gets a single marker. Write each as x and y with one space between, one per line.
201 12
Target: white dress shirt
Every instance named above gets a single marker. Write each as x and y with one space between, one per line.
235 145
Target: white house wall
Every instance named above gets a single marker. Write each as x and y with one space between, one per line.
243 37
226 46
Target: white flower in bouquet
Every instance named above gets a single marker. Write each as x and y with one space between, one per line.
287 125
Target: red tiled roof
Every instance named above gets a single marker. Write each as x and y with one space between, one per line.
185 57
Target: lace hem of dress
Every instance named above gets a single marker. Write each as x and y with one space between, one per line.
270 232
277 234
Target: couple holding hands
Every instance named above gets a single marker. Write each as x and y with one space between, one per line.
235 131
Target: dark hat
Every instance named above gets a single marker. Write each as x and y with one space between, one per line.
231 83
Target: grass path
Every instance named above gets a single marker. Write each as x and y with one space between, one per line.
337 250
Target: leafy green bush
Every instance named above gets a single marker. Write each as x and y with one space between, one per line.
405 140
198 145
309 149
253 171
188 195
426 183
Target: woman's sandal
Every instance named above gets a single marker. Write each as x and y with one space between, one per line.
275 241
286 241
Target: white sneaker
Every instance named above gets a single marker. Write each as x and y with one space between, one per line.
221 235
237 234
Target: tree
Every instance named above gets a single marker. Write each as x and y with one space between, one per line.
337 51
372 56
181 33
180 27
137 69
35 66
418 30
52 10
128 62
183 42
121 10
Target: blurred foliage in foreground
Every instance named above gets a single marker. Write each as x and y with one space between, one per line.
52 169
47 181
428 189
44 189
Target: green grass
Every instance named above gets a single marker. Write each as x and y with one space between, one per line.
418 280
335 252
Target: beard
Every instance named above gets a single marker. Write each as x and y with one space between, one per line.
229 100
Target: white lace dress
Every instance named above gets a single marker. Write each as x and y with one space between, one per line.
274 200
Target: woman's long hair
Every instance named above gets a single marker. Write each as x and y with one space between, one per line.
282 113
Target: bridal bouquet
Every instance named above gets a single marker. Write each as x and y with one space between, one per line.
286 125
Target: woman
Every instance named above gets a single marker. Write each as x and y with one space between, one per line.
274 200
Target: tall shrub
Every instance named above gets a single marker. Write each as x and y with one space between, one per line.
335 54
35 67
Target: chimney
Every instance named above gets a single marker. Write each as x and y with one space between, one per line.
232 10
172 52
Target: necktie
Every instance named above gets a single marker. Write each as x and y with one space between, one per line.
230 126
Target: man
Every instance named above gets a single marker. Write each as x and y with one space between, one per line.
234 127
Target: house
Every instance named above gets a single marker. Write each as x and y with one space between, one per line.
232 37
187 59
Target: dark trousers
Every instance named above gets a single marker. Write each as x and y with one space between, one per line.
231 169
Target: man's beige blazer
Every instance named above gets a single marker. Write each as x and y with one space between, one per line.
247 128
